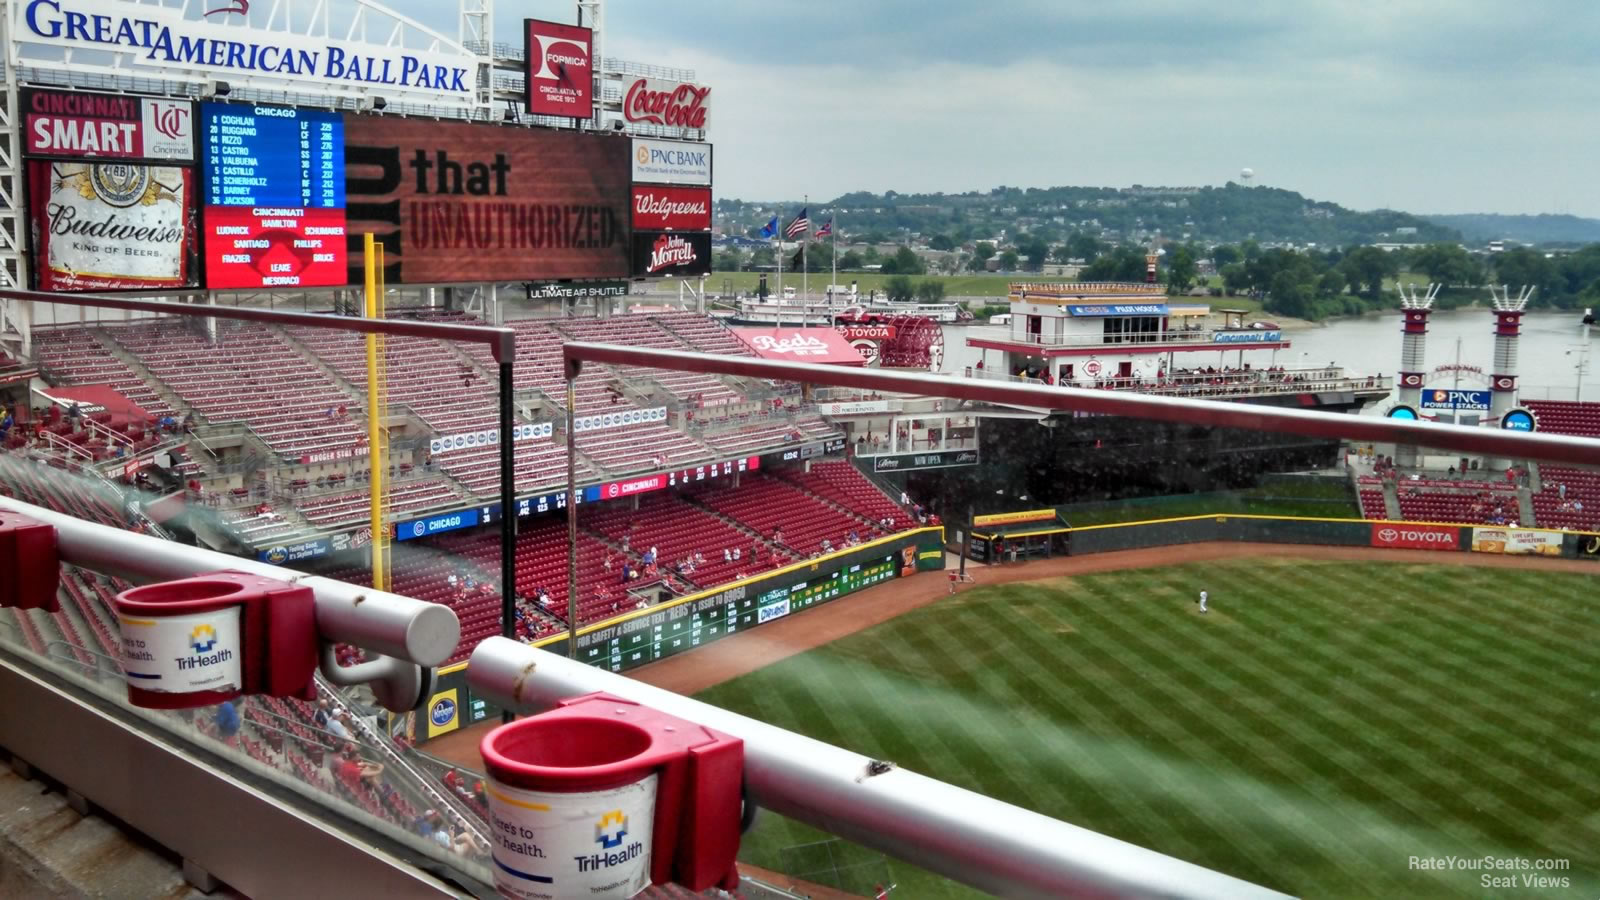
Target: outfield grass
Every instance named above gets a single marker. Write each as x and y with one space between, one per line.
1322 725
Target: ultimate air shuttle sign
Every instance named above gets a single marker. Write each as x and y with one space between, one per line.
218 45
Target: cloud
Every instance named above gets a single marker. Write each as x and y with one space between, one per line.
1409 104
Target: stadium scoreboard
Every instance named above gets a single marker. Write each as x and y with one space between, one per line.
274 196
674 629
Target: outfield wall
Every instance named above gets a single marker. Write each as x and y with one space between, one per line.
1246 528
666 629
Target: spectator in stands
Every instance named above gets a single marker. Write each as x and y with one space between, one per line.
736 554
465 843
1561 486
827 546
338 726
5 425
227 720
727 555
424 823
323 715
354 770
74 416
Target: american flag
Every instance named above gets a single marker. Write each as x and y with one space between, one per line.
799 226
826 229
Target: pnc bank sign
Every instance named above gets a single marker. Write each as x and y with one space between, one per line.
159 39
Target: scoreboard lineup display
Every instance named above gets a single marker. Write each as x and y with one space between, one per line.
274 196
675 629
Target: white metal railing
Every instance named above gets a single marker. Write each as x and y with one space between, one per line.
1225 384
411 633
990 845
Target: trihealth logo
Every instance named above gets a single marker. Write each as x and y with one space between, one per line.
611 829
203 638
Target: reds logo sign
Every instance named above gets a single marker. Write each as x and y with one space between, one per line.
669 103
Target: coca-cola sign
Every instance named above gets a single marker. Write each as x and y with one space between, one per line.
661 253
672 104
1408 536
559 69
111 226
676 208
78 125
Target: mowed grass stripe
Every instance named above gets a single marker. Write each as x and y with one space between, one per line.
1267 839
1066 723
1262 738
1469 703
1073 704
1415 762
1359 763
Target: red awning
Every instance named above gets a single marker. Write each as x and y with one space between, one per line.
812 345
96 398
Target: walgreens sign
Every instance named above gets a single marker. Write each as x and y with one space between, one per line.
671 208
1406 536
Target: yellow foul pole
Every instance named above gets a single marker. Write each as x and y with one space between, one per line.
380 569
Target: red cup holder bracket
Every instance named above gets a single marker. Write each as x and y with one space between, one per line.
602 797
30 571
210 638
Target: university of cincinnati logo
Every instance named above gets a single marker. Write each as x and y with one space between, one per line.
203 638
611 829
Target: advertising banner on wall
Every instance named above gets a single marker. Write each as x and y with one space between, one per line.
558 68
671 104
111 226
1517 541
455 200
274 189
575 290
1406 536
671 162
858 407
661 208
107 126
943 459
658 254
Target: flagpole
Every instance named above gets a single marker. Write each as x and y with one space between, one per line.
778 256
805 271
833 234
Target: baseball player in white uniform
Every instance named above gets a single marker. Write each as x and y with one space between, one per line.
1203 596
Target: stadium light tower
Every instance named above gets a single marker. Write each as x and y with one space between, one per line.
1507 327
1413 345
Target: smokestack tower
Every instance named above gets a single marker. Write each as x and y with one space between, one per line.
1507 328
1415 310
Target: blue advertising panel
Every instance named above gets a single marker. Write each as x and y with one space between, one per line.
1453 398
1119 309
439 524
1517 420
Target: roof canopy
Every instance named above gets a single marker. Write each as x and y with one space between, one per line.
96 398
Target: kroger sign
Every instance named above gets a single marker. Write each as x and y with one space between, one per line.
161 39
1450 398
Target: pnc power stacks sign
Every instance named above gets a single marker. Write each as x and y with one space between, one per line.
454 201
110 191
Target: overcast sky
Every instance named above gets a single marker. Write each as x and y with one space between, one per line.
1426 106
